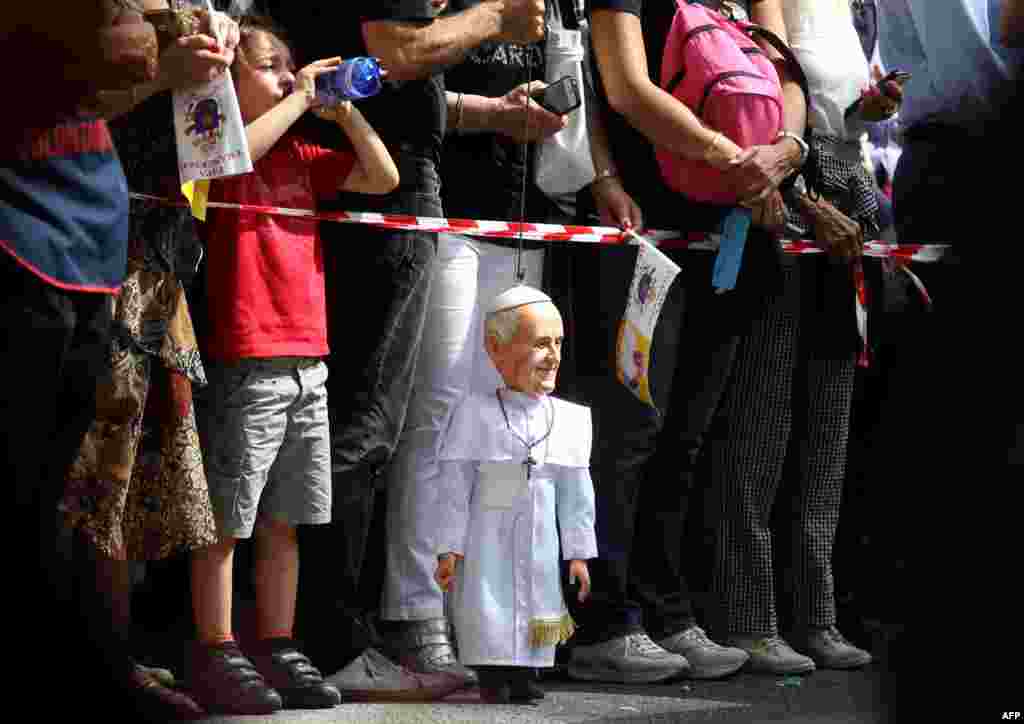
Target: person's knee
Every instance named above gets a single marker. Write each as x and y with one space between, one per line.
273 529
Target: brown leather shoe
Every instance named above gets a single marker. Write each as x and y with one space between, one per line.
375 678
426 647
293 676
223 681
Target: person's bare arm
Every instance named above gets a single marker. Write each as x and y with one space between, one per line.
411 50
614 204
1011 26
263 132
503 114
783 156
374 171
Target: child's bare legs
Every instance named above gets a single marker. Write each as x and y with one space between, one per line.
277 578
219 675
211 591
275 654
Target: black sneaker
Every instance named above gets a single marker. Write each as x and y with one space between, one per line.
223 681
291 673
525 688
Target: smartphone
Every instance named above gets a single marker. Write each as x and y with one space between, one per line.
561 97
901 76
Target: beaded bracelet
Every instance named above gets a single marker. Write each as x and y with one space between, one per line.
458 113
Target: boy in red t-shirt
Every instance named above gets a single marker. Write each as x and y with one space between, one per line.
264 419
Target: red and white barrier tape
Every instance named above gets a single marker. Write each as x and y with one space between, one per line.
596 235
552 232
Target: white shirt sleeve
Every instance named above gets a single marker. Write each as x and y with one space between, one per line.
575 508
455 488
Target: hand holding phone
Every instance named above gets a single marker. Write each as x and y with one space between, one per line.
561 97
881 100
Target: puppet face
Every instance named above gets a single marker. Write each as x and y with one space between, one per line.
264 75
529 361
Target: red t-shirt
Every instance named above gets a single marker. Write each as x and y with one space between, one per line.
265 273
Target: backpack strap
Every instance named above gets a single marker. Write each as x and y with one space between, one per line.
756 31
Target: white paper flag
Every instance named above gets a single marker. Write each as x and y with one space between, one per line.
210 133
651 280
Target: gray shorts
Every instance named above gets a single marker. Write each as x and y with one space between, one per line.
266 442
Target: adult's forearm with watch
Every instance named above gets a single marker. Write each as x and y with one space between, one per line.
768 14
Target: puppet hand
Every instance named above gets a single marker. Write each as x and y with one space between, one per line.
445 573
578 571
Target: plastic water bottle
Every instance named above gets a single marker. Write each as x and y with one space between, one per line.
355 78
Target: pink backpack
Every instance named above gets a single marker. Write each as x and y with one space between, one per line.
711 64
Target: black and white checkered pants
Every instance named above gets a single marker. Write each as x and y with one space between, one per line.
783 401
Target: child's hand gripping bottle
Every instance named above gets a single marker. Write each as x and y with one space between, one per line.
355 78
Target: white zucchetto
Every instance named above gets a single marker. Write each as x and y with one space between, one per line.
517 296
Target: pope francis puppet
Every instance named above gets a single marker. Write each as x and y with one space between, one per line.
512 461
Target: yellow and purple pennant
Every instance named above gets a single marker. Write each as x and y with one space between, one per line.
652 278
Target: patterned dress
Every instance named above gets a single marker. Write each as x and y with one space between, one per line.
137 488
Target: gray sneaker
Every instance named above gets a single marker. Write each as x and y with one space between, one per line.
373 677
630 659
708 660
830 650
772 655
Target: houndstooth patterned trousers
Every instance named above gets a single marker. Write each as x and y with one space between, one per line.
786 408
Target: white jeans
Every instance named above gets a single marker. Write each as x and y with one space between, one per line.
452 363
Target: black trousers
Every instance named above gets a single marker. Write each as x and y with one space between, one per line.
644 462
54 346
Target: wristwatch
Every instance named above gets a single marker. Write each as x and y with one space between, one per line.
804 148
799 185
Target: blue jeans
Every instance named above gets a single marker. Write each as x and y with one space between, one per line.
378 283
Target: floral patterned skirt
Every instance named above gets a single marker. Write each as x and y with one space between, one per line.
137 488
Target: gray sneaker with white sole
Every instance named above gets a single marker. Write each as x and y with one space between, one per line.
708 660
630 659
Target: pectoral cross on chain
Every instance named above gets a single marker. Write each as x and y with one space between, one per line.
530 461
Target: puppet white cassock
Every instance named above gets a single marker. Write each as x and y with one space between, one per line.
500 513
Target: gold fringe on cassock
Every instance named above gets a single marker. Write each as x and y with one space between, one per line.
551 631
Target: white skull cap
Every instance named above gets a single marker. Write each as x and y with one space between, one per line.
517 296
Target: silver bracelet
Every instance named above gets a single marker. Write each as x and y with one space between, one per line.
805 150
